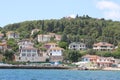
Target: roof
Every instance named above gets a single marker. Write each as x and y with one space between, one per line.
44 35
1 34
77 43
29 48
50 44
103 44
90 56
3 44
56 48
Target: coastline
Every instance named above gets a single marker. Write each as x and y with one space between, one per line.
33 67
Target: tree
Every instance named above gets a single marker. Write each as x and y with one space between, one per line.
64 38
73 55
9 55
63 44
12 44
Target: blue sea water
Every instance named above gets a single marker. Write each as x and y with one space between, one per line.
38 74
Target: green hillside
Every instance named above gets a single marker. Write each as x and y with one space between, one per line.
81 28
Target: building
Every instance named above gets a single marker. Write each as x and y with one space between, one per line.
13 35
28 54
58 37
99 61
103 46
55 54
55 36
44 38
25 43
77 46
50 45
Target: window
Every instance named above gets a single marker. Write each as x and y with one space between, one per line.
28 50
23 54
28 55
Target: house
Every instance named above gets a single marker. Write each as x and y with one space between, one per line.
55 54
77 46
34 30
103 46
50 45
25 43
99 61
1 36
44 38
55 36
12 34
28 54
58 37
3 46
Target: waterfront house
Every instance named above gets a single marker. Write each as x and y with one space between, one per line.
99 61
77 46
28 54
11 34
44 38
103 46
55 54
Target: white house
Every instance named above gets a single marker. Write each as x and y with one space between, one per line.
103 46
29 54
55 54
43 38
77 46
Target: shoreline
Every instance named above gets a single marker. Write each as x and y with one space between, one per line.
33 67
53 67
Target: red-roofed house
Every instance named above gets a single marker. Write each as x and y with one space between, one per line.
99 61
103 46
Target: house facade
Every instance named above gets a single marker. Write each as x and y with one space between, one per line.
55 54
44 38
103 46
28 54
77 46
25 43
13 35
98 61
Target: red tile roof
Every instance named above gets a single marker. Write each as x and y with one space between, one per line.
103 44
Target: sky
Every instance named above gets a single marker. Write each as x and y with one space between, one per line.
14 11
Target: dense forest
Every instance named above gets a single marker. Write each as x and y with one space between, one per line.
80 29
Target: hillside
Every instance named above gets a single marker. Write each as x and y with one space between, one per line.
81 28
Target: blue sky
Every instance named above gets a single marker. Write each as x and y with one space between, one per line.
13 11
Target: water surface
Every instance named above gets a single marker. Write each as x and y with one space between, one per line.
38 74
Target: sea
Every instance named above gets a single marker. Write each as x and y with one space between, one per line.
49 74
